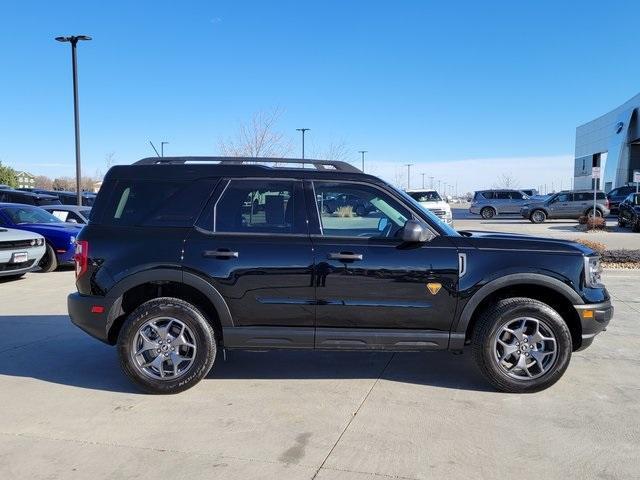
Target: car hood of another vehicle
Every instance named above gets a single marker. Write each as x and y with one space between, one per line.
11 234
435 205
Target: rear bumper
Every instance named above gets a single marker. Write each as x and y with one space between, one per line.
95 324
594 319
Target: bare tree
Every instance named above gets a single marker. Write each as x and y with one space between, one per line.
400 177
258 138
108 161
506 180
44 182
337 151
64 183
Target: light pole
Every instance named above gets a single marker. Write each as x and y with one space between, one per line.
422 180
303 130
362 152
73 40
439 185
162 144
408 165
431 183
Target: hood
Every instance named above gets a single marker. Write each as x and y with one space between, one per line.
441 204
69 228
10 234
515 241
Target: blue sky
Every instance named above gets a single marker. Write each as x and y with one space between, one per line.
501 84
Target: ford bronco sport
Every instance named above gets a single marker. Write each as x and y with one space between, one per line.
184 257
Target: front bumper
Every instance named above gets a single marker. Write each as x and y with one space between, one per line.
81 314
594 319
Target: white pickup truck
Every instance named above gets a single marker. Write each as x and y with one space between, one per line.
431 200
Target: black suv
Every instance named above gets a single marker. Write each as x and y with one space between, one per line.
184 257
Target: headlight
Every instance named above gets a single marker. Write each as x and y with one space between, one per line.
33 242
72 240
41 241
592 272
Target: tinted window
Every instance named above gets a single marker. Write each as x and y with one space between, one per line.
256 206
353 210
600 196
582 196
489 195
502 195
157 203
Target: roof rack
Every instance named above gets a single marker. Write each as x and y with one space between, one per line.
332 165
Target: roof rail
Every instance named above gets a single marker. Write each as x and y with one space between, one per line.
333 165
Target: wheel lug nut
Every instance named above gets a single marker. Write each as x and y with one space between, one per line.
158 350
166 354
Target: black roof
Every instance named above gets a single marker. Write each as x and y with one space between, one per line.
190 168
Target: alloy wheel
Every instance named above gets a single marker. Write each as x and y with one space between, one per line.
163 348
525 348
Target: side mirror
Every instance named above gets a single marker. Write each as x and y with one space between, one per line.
416 232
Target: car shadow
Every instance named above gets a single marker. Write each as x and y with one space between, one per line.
50 349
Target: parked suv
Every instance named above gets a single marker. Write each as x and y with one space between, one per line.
629 212
177 263
566 204
489 203
28 198
618 195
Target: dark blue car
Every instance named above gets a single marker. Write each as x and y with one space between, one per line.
60 236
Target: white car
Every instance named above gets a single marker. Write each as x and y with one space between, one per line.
431 200
20 252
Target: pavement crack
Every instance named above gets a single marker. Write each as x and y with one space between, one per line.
354 415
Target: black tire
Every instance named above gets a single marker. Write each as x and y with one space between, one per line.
538 216
203 339
589 213
488 212
491 322
49 261
621 221
636 226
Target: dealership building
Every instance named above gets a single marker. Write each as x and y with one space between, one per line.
611 142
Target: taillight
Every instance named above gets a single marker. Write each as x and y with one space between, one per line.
607 204
81 256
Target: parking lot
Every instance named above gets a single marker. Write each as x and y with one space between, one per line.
68 412
614 238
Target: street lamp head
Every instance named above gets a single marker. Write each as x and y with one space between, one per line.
73 38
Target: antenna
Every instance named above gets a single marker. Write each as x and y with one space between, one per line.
154 148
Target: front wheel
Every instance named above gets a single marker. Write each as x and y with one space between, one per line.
166 345
488 212
49 261
538 216
521 345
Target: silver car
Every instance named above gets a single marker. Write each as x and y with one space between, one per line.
20 252
567 204
489 203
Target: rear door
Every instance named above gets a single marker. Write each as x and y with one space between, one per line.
373 290
502 202
253 246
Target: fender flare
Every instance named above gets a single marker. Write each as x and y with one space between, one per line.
168 275
509 280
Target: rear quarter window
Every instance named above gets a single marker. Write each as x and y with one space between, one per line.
156 203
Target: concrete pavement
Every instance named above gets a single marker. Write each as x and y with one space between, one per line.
68 412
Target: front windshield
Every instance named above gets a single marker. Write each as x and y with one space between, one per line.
425 211
20 215
427 196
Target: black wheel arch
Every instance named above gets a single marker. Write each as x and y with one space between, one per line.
549 290
135 289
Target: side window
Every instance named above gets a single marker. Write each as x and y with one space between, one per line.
257 206
354 210
503 195
563 197
600 196
516 196
157 203
489 195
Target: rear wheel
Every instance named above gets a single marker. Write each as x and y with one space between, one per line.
589 213
521 345
488 212
621 221
538 216
49 261
166 346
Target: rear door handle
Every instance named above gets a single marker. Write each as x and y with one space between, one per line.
345 256
221 253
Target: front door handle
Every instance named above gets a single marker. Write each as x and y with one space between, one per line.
221 253
345 256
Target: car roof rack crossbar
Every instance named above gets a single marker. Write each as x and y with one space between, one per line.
331 165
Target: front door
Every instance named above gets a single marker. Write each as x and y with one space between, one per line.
372 289
561 206
253 245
